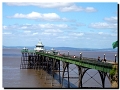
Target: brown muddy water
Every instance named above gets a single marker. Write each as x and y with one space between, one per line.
14 77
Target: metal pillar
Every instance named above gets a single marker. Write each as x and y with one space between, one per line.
81 71
59 72
102 75
80 77
65 65
24 61
68 75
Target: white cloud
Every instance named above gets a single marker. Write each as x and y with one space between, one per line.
114 34
62 6
45 33
90 9
77 9
51 26
39 16
71 8
37 26
35 33
4 27
77 34
63 37
24 27
53 31
100 33
111 19
27 32
10 27
7 33
103 25
40 4
107 34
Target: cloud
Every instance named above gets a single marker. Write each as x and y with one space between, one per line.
51 26
90 9
40 4
53 32
7 33
35 33
111 23
71 8
46 33
4 27
100 33
103 25
39 16
114 34
63 37
62 6
36 26
77 9
78 24
77 34
111 19
24 27
27 32
107 34
9 27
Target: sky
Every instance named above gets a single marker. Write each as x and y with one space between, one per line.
60 24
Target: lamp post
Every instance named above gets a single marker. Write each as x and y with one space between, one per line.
115 58
80 56
104 56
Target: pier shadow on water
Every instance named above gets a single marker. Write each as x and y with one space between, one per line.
65 82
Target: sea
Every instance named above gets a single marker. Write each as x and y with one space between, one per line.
14 77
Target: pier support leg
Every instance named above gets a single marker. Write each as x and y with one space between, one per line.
68 75
59 71
102 75
81 72
64 68
80 77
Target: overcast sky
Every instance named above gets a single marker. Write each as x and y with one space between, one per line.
60 24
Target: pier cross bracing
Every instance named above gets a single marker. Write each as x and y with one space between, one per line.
51 63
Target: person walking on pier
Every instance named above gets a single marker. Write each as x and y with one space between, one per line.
74 56
105 59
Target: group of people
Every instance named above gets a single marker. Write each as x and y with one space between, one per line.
102 60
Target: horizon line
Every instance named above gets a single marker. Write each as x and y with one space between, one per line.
61 47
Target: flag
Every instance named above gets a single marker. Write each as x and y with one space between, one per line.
115 44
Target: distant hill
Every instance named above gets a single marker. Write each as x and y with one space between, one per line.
63 48
18 47
84 49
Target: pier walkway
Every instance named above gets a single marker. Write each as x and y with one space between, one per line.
50 62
